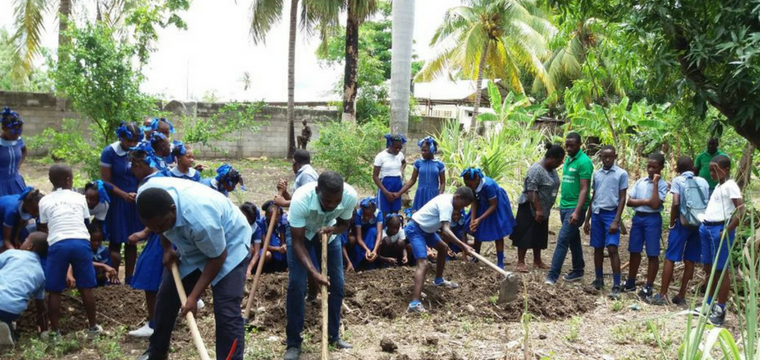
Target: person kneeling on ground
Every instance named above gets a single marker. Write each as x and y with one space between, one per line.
421 231
23 277
213 239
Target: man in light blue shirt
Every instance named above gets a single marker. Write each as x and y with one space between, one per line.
322 208
305 174
23 278
213 240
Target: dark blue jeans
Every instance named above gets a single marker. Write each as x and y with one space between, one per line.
228 295
569 237
297 290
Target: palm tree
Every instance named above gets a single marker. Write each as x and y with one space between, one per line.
503 37
314 14
29 26
401 64
358 11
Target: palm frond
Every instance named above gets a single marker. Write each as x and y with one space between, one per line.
29 26
364 9
264 14
318 15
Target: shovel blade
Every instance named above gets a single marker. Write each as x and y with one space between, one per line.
509 289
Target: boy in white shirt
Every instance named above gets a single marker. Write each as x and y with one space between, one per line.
64 215
717 233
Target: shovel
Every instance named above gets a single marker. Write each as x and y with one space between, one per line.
190 318
260 265
508 290
325 346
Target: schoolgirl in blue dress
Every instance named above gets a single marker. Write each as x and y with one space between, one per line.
227 178
388 168
98 201
12 153
101 257
19 213
368 228
431 173
491 217
253 216
144 164
122 219
458 227
276 255
185 162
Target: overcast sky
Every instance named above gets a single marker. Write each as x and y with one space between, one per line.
216 50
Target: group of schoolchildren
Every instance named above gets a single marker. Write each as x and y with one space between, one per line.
59 237
66 228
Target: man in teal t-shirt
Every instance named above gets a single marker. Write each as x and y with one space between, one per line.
574 200
702 162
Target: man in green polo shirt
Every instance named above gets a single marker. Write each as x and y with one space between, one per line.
574 201
702 162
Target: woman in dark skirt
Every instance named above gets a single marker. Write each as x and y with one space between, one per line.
535 204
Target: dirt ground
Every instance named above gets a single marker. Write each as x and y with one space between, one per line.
567 321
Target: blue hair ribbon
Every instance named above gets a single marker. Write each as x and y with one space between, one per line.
227 174
102 192
157 121
180 148
394 215
26 192
390 139
470 173
367 202
428 140
124 133
12 120
150 156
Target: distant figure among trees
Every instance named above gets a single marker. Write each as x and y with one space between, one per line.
305 136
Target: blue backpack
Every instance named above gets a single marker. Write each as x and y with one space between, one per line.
693 203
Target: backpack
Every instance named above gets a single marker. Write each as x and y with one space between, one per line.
693 203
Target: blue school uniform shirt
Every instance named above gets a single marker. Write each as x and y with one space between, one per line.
642 189
207 224
102 255
377 218
607 185
306 174
192 174
114 157
306 211
12 213
212 183
257 231
429 172
10 156
279 228
23 277
436 211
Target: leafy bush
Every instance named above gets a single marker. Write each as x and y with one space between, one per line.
227 124
70 146
349 149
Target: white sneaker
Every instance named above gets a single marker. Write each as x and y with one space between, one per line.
201 304
143 332
6 334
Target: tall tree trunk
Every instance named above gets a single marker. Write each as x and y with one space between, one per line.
744 174
401 64
352 61
478 85
292 78
64 14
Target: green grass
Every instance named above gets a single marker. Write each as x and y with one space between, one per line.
573 334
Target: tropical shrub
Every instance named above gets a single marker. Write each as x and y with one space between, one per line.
349 149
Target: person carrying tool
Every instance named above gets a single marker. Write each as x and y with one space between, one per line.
324 207
213 238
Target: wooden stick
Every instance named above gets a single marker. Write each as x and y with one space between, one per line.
625 266
190 318
260 265
325 347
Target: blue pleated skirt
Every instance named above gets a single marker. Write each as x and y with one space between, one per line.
12 185
423 195
149 268
499 224
369 236
392 184
122 220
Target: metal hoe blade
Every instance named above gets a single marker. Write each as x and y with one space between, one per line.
508 289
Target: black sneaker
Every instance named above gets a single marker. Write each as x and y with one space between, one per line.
656 299
678 301
615 293
717 316
629 289
598 284
573 276
292 353
340 344
646 292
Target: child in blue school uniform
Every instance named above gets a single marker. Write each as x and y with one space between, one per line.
490 215
387 174
63 215
458 221
23 277
163 129
276 254
393 248
646 227
253 216
368 228
690 193
610 184
121 220
98 200
227 178
431 173
12 153
101 258
19 213
185 168
149 268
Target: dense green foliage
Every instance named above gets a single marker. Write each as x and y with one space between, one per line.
350 149
36 81
226 124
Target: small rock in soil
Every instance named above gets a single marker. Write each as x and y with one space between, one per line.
455 356
431 341
403 357
388 345
542 337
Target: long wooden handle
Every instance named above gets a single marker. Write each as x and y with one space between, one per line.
190 318
325 346
260 265
490 264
